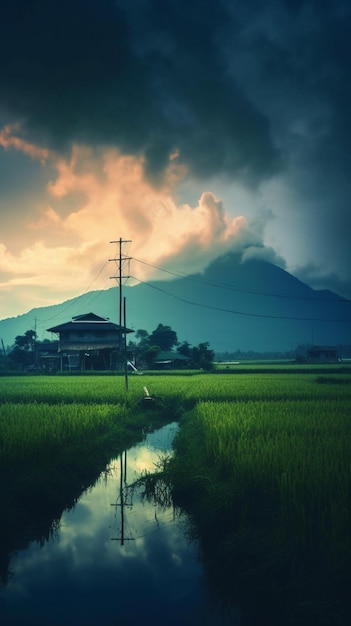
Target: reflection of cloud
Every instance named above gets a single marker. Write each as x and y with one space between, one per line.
144 461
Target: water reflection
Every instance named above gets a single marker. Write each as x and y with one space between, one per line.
112 564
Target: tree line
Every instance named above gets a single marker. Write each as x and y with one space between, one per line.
145 349
148 347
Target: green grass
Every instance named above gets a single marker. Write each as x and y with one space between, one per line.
40 430
291 459
262 463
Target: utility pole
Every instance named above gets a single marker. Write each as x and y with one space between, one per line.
35 347
125 345
122 321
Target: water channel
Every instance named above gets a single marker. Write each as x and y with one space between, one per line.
116 559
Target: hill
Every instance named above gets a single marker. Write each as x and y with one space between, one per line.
234 306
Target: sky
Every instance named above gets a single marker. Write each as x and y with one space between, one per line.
189 128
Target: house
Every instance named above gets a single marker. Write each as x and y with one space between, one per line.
323 354
170 360
47 358
90 342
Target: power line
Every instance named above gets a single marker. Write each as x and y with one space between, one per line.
223 310
74 301
220 285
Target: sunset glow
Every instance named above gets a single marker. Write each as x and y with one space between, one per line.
115 198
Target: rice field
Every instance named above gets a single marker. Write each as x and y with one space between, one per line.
263 465
40 430
41 412
290 459
265 455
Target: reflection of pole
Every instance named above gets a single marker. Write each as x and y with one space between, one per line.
122 503
121 494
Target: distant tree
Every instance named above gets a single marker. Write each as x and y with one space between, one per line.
185 349
164 337
3 361
23 353
150 355
20 358
142 335
139 348
201 356
26 341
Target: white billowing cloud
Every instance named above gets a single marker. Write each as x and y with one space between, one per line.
64 249
200 234
39 265
119 202
263 253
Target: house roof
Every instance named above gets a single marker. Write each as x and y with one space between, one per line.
88 321
169 356
323 349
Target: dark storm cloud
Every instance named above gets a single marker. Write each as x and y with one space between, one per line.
211 78
311 275
149 77
243 89
293 60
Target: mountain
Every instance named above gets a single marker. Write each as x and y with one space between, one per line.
253 305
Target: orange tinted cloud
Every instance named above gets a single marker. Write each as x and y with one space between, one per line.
9 140
116 200
120 202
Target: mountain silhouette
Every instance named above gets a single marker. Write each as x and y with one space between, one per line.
233 305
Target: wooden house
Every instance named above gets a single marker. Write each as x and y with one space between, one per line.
90 342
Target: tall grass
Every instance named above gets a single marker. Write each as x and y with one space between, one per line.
283 464
262 464
68 390
29 432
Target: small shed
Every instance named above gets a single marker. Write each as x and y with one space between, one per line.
170 360
323 354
